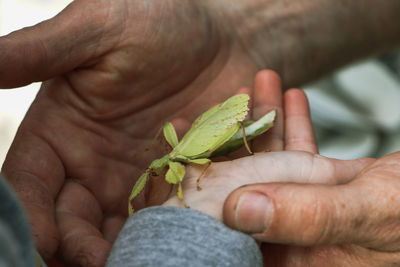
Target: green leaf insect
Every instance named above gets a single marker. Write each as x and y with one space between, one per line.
216 132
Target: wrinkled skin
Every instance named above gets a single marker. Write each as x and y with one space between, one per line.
115 70
352 223
326 212
308 210
113 77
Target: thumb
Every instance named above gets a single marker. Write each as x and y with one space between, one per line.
309 215
55 46
288 213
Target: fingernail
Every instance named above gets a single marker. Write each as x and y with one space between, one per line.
253 213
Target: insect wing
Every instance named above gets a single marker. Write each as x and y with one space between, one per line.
221 144
175 173
214 126
260 126
137 188
252 131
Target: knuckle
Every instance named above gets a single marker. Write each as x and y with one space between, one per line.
329 170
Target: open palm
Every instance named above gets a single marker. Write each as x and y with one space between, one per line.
115 71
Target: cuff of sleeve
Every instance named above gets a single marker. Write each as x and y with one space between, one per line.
172 236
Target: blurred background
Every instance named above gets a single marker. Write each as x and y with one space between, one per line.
356 111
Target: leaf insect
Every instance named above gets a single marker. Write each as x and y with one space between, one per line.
213 133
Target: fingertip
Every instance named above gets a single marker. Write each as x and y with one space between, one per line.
85 250
243 90
295 92
248 209
268 88
296 101
253 212
268 75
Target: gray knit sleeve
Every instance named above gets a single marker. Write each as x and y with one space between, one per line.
172 236
16 243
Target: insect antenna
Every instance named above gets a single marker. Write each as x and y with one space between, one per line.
153 141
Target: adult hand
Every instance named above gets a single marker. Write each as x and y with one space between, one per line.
115 67
299 214
354 223
299 162
115 71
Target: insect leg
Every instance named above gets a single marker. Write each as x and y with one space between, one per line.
245 139
201 176
180 195
201 161
139 186
170 134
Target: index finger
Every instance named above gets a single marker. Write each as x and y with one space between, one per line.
267 97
